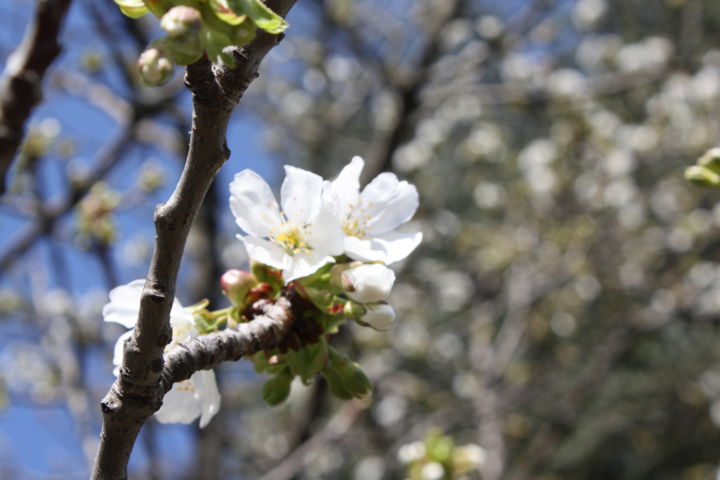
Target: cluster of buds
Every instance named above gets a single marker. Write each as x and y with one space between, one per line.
96 216
706 172
323 301
438 458
206 28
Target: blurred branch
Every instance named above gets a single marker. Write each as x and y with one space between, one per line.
138 391
49 214
334 429
21 83
409 91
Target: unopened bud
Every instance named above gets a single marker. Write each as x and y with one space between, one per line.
236 284
711 160
702 176
181 20
368 282
154 67
380 316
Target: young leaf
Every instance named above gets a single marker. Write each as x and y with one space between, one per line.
309 360
225 13
260 14
132 8
277 389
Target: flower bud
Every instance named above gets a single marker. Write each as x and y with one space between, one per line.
368 282
711 160
181 20
155 68
702 176
236 284
380 316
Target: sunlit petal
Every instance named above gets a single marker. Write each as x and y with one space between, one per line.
253 204
300 195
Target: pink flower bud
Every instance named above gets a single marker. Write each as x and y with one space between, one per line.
236 284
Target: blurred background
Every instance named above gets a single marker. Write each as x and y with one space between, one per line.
561 313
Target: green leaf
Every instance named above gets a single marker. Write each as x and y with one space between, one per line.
309 360
335 384
225 13
260 361
277 389
260 14
132 8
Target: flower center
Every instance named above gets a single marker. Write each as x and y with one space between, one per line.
291 238
355 223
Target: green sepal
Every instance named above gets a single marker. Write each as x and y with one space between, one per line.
330 323
260 14
225 13
703 176
132 8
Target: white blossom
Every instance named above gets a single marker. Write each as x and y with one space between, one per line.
300 238
369 282
379 316
370 218
195 397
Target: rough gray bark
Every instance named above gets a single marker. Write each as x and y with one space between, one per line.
21 82
143 380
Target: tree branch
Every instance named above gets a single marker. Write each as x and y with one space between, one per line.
143 380
206 352
21 83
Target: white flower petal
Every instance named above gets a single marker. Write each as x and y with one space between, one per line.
325 233
388 203
388 248
124 304
266 252
205 380
187 400
397 245
181 404
304 264
118 350
346 187
300 195
253 204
